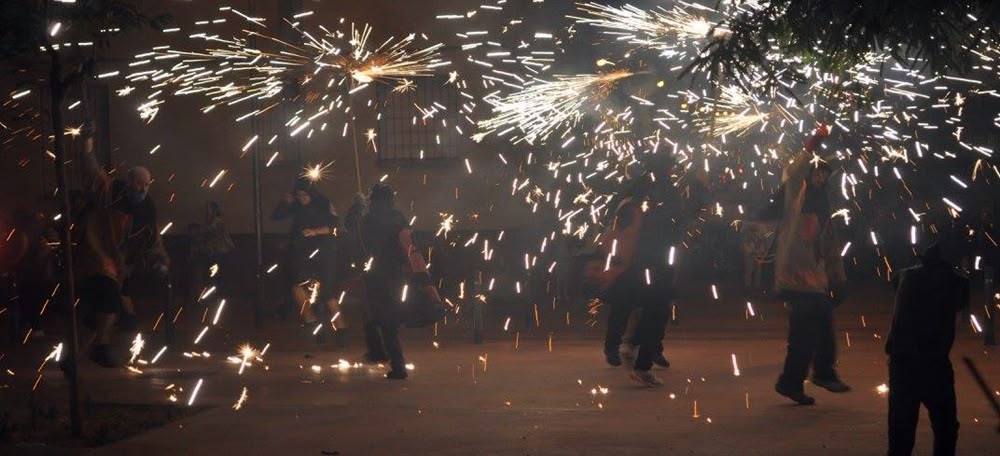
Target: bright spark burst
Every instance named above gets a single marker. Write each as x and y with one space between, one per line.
541 108
315 173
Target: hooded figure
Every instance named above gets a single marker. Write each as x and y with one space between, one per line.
385 279
313 248
645 224
928 299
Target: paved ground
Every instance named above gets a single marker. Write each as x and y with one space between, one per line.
495 399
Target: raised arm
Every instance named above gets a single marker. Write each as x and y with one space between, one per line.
284 209
800 166
95 179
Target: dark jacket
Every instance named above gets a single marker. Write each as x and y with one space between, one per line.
143 245
928 297
384 280
319 213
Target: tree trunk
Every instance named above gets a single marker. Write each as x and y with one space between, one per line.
68 286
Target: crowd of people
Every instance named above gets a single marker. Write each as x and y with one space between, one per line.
370 259
633 271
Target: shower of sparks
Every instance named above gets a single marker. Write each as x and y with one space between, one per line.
541 108
658 28
317 70
736 113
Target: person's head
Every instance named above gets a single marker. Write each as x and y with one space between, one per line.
138 179
934 254
381 197
819 175
303 191
358 199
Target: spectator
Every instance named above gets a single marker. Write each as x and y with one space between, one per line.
928 298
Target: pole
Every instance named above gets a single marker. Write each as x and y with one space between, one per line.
354 140
989 325
258 303
168 312
978 376
68 285
258 224
477 309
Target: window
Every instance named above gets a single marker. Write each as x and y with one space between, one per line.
420 124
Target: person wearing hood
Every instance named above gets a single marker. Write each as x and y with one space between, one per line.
809 275
647 221
313 251
929 296
383 231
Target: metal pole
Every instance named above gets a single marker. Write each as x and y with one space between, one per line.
477 309
68 285
168 312
258 300
989 325
258 224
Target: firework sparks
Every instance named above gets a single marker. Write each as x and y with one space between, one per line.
657 28
545 106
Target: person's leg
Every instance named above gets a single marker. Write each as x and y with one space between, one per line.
328 282
628 335
649 334
904 407
825 359
939 398
397 364
108 303
802 339
301 299
618 317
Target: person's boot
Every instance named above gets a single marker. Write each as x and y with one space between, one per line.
661 360
397 372
373 343
798 396
612 357
833 385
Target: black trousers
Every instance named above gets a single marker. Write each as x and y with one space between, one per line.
382 327
617 322
383 339
915 381
810 340
629 293
650 331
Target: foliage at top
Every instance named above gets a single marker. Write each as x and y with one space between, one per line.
769 41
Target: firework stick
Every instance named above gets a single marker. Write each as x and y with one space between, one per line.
982 385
